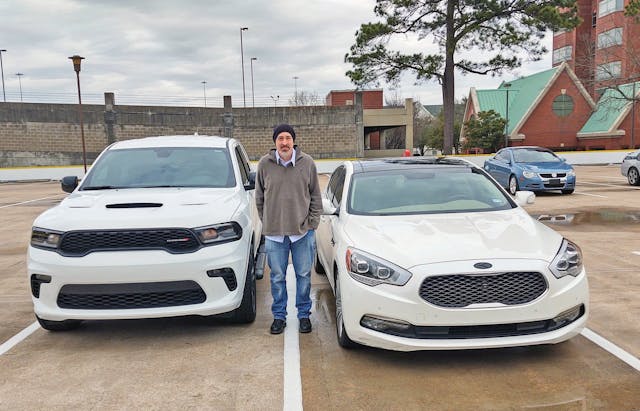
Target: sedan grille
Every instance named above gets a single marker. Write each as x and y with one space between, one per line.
554 175
130 296
461 290
173 240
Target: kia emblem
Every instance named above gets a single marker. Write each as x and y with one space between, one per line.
483 266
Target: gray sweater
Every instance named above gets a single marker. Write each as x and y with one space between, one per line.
288 198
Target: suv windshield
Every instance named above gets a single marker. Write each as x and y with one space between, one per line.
161 167
421 191
534 156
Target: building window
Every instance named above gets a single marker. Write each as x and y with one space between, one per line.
562 105
562 54
609 6
609 71
610 38
594 18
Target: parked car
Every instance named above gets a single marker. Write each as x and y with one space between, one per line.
159 227
430 253
630 168
531 168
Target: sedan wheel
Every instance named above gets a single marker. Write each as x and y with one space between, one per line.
633 176
343 339
513 185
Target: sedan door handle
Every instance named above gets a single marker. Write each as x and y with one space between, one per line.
333 242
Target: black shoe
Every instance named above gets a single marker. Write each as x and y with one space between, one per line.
277 327
305 325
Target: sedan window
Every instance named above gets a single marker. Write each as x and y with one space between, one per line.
534 156
424 191
162 167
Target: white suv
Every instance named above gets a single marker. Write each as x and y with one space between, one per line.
159 227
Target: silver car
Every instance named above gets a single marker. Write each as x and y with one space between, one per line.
630 168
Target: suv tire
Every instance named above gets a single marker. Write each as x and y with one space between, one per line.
246 313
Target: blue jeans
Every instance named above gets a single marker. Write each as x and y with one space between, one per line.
303 253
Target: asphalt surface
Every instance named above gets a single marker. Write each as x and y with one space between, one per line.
196 363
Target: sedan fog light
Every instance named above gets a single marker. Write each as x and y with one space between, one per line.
227 275
569 316
385 325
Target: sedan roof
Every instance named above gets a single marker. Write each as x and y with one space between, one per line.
383 164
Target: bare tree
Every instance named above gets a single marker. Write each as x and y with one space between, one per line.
305 98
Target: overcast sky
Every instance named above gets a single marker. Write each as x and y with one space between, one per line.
160 51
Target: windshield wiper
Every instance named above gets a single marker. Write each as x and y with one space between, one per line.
100 188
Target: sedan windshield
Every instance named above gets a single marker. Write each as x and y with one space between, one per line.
422 191
161 167
534 156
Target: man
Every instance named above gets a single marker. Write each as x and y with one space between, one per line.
289 205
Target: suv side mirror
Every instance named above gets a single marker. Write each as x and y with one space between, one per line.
252 181
69 183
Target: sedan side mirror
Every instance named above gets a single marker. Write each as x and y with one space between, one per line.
69 183
328 208
525 198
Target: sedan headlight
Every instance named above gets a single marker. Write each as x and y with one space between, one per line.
219 233
44 238
568 261
528 174
372 270
571 173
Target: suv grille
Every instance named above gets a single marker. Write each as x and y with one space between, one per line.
128 296
462 290
173 240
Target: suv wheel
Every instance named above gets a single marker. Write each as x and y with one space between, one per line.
65 325
246 313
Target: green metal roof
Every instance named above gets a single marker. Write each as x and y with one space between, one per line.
612 103
522 93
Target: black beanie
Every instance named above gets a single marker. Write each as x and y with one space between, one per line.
283 127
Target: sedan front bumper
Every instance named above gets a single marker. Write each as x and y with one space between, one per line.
477 326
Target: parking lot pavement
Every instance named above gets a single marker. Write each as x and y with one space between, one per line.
191 363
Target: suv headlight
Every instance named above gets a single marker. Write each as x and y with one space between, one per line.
372 270
568 261
528 174
44 238
219 233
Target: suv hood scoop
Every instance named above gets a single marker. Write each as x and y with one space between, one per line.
134 205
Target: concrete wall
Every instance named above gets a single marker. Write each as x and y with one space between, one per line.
49 134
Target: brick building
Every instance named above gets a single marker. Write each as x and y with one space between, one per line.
603 49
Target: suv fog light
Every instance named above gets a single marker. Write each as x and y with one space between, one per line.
385 325
36 281
227 275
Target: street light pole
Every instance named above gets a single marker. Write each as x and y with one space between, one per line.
633 115
506 126
295 88
275 100
20 83
253 97
244 97
2 70
77 60
204 91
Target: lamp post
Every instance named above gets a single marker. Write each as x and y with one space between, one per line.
2 71
77 60
506 126
20 83
244 97
253 97
295 88
204 91
633 115
275 100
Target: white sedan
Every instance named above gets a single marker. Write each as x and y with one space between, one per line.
431 253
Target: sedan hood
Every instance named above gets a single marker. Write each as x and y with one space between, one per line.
424 239
546 166
141 208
